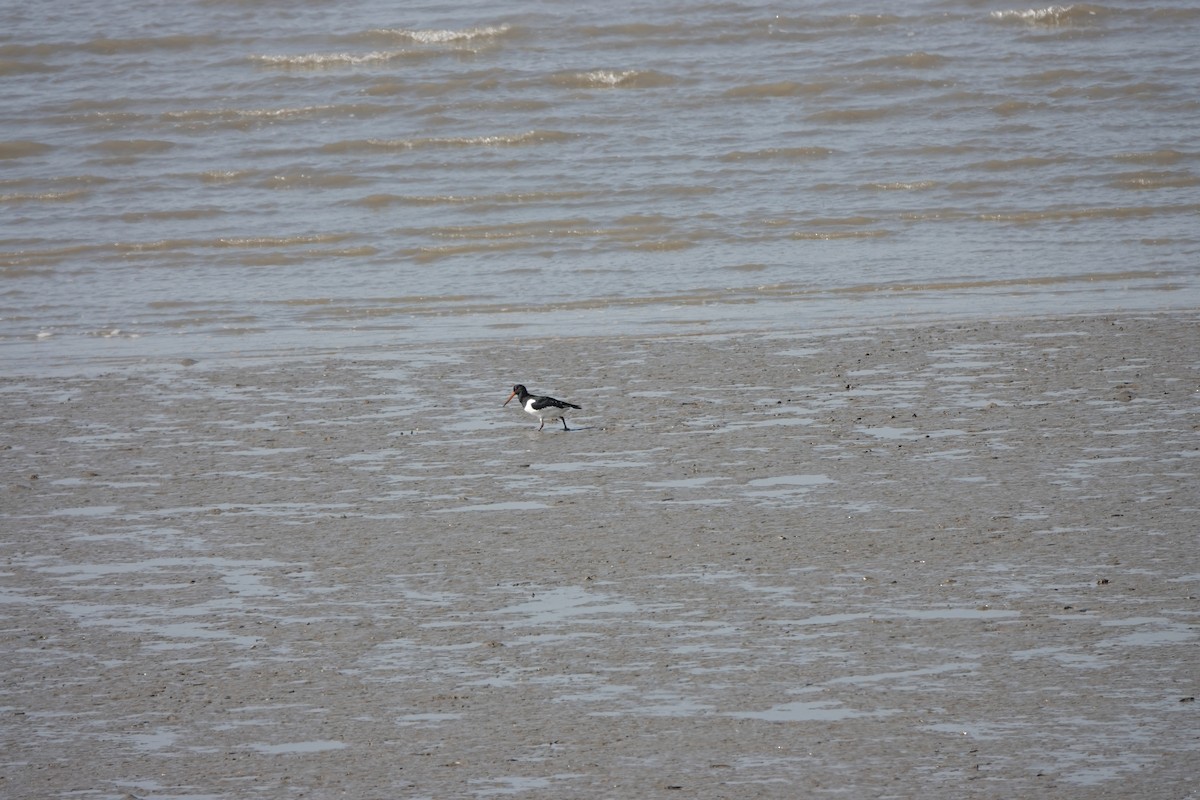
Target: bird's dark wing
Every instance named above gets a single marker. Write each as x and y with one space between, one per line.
543 403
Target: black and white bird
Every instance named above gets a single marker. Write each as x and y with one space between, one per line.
544 408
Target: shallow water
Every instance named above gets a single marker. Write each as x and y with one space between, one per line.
235 177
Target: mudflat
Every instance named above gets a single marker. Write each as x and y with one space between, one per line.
941 561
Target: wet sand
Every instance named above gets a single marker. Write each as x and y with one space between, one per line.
945 561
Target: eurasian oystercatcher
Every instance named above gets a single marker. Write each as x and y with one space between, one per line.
544 408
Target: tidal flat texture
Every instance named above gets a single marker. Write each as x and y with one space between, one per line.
942 561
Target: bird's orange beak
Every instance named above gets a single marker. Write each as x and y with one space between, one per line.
510 397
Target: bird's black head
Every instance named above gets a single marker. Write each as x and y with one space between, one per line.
518 391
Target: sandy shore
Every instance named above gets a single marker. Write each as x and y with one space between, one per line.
949 561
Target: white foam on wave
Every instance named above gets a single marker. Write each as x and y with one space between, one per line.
204 114
330 59
421 37
613 79
1051 15
529 137
446 36
606 77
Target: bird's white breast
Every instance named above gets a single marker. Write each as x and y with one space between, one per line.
549 412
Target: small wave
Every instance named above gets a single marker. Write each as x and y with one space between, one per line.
788 25
11 67
22 149
241 115
663 245
1156 180
500 200
903 186
429 254
36 50
1055 77
1142 90
1011 108
1051 16
542 229
374 57
782 153
633 232
629 30
112 333
225 175
108 47
1084 214
326 180
385 199
612 79
844 221
506 140
132 147
155 246
323 60
826 236
1152 157
892 85
851 115
908 61
155 216
1026 162
778 89
873 20
229 242
49 256
443 36
686 191
805 28
42 197
281 241
996 283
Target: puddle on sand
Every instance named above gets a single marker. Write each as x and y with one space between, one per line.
661 704
952 613
907 675
1063 656
826 619
515 784
242 576
511 505
297 748
1070 763
583 466
149 621
810 711
1097 773
85 511
431 718
567 603
685 483
697 484
149 742
174 627
791 480
781 488
1151 631
906 434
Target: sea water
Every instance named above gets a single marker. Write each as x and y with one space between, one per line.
212 178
